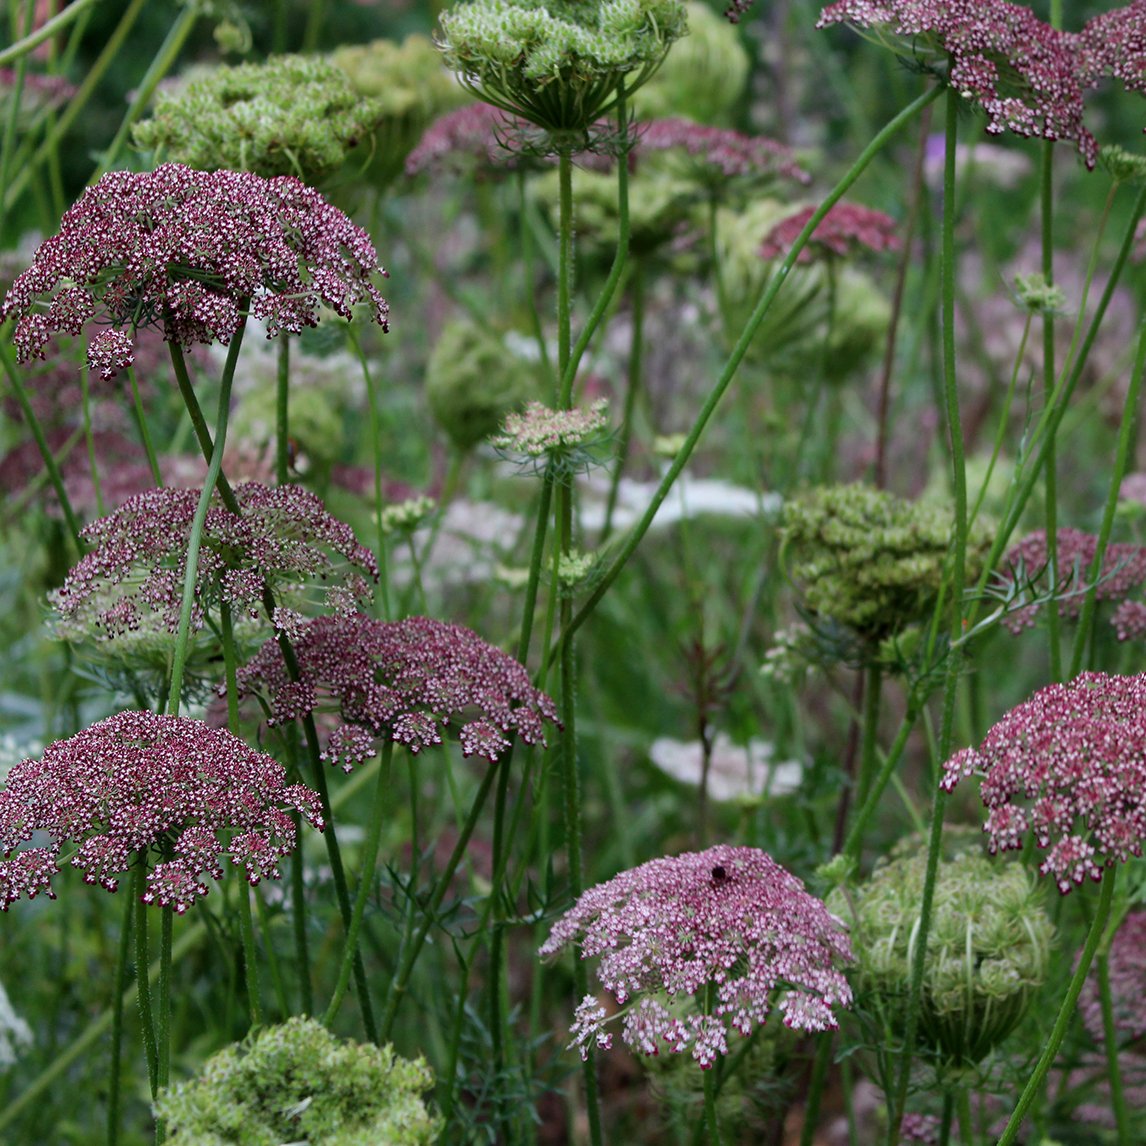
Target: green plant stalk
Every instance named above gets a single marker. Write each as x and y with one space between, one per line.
15 96
868 742
376 453
85 1041
50 465
728 373
1050 470
525 239
711 1120
632 389
44 32
142 955
214 458
564 274
401 979
1126 430
958 584
820 1065
1110 1046
1066 1011
89 439
114 1087
278 984
246 925
298 922
568 366
1052 414
163 1000
164 60
144 433
365 880
110 54
282 415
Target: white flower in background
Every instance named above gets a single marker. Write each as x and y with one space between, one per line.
688 498
736 772
15 1034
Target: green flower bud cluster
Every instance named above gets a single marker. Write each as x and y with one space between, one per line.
409 87
988 948
871 561
473 380
704 74
298 1083
559 63
293 115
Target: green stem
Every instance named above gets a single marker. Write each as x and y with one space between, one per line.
633 387
160 66
1126 434
764 304
822 1062
50 464
869 738
1110 1046
409 956
1066 1011
144 433
121 982
282 415
712 1121
214 471
45 31
142 955
564 272
1050 470
365 880
958 581
112 52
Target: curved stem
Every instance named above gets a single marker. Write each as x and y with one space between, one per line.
775 284
214 471
121 980
1066 1011
45 31
365 880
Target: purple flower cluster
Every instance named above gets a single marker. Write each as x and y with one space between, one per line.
846 227
283 538
137 783
1123 570
402 681
1114 44
1069 766
729 923
190 251
723 153
1027 76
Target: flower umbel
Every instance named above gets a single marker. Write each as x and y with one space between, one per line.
844 229
1069 766
728 923
402 681
133 577
139 783
1027 76
564 439
189 250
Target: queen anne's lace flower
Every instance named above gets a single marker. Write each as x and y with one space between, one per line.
844 229
1068 766
402 681
133 576
1027 76
137 782
188 250
728 923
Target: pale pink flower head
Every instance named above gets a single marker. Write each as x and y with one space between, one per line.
1067 766
138 787
402 681
188 251
728 923
1026 76
284 539
846 228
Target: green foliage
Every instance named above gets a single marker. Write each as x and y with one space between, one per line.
473 380
298 1083
869 560
293 115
